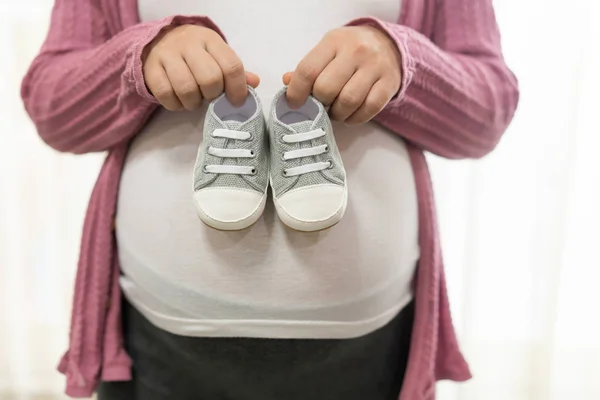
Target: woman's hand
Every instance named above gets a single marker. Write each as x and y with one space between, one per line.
354 69
189 63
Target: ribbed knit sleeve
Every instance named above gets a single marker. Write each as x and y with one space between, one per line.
85 91
457 95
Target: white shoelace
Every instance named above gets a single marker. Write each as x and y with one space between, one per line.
230 153
307 152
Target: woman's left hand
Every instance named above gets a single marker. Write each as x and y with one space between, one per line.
355 70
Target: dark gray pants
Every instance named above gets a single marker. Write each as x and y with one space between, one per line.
171 367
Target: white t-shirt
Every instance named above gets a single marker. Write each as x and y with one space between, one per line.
268 280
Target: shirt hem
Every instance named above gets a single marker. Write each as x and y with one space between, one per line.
276 329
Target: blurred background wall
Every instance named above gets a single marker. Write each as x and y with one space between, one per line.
520 229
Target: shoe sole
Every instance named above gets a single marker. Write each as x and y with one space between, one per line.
233 225
312 226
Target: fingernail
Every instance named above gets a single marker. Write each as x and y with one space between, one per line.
238 100
293 103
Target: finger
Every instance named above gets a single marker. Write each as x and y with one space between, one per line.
287 77
160 86
232 68
352 96
183 82
332 80
307 72
376 100
252 79
207 73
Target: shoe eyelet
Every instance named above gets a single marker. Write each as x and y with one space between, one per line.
205 170
253 172
252 153
330 164
284 173
326 148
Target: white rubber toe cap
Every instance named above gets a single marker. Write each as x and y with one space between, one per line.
229 209
312 208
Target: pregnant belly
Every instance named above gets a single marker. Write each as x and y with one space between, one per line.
368 259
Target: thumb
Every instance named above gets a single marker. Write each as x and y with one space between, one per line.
252 79
287 77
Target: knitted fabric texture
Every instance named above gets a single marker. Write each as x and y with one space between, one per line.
281 183
256 127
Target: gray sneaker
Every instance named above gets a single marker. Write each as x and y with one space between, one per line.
307 174
231 174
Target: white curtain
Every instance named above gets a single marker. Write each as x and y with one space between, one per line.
520 229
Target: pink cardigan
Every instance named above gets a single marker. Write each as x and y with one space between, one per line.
85 92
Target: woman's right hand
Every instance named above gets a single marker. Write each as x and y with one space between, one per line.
189 63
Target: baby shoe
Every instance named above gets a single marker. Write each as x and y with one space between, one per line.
231 174
307 174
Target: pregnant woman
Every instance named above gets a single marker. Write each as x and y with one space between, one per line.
167 308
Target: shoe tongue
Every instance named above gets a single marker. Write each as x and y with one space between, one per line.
301 127
233 125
